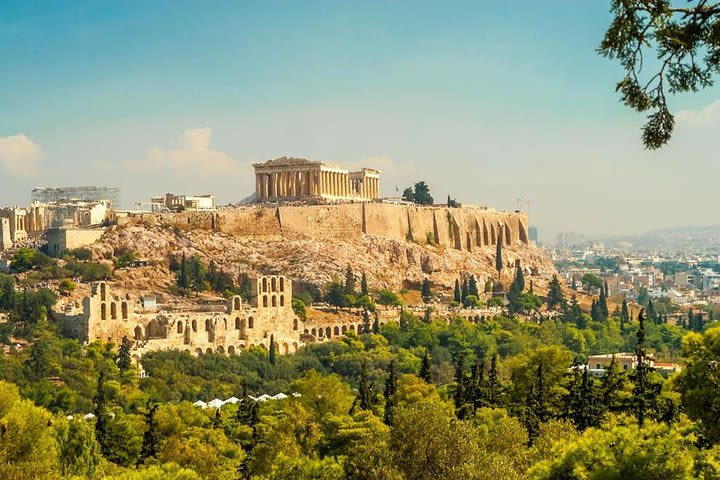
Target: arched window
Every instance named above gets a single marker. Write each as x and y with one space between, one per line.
295 323
207 325
274 301
103 291
236 303
124 310
264 284
273 284
237 323
352 328
314 332
282 300
265 301
251 322
327 332
306 332
103 312
343 329
282 284
113 310
194 325
179 327
138 333
231 350
336 331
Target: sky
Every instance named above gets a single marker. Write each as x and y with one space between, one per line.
488 102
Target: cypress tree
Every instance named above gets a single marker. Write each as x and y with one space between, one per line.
457 294
624 314
364 388
574 284
587 411
183 281
426 317
247 413
602 305
530 419
611 386
494 387
607 290
479 384
555 298
102 417
364 285
465 291
498 254
272 354
595 311
217 419
349 281
542 409
459 395
651 312
366 321
426 368
376 325
644 391
150 437
425 291
124 361
472 287
390 391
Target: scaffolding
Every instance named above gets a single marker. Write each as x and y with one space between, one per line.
82 194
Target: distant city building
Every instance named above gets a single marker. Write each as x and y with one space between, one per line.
532 233
570 239
82 194
172 202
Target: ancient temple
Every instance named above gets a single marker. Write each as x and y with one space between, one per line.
288 179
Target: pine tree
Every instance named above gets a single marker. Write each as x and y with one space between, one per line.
457 294
460 397
376 325
555 298
472 287
102 417
542 409
272 354
364 285
349 281
425 291
426 368
530 419
585 405
574 314
183 281
247 413
150 437
390 394
124 361
611 386
498 254
478 384
364 388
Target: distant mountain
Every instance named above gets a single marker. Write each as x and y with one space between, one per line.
690 239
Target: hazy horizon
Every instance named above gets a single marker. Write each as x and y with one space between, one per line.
477 100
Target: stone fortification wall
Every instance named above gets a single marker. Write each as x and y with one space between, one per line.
61 239
458 228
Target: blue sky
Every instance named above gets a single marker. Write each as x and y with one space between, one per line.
488 102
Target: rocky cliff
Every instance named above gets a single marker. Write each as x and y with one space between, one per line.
389 262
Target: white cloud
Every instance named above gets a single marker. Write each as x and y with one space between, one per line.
190 154
19 155
707 117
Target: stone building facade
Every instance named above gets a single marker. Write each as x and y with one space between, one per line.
292 179
107 316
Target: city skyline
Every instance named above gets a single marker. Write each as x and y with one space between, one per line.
185 97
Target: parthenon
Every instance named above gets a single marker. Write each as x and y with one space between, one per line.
300 179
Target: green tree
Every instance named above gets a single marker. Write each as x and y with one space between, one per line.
299 308
422 194
124 360
151 435
390 394
349 281
624 314
364 291
408 195
684 38
498 253
426 368
271 352
78 451
472 287
425 291
364 397
645 391
555 298
183 279
102 417
457 293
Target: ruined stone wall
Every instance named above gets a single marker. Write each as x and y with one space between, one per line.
60 239
464 228
5 240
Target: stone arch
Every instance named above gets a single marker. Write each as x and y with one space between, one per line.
155 329
221 349
273 284
194 325
209 351
103 292
455 230
336 331
187 350
103 311
282 284
198 351
295 347
264 285
285 348
237 323
113 311
265 302
273 301
231 350
179 326
138 333
360 328
314 332
251 322
207 325
328 332
306 332
236 303
295 323
352 328
282 300
343 329
124 310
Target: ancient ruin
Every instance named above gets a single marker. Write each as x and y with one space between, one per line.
212 328
284 179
